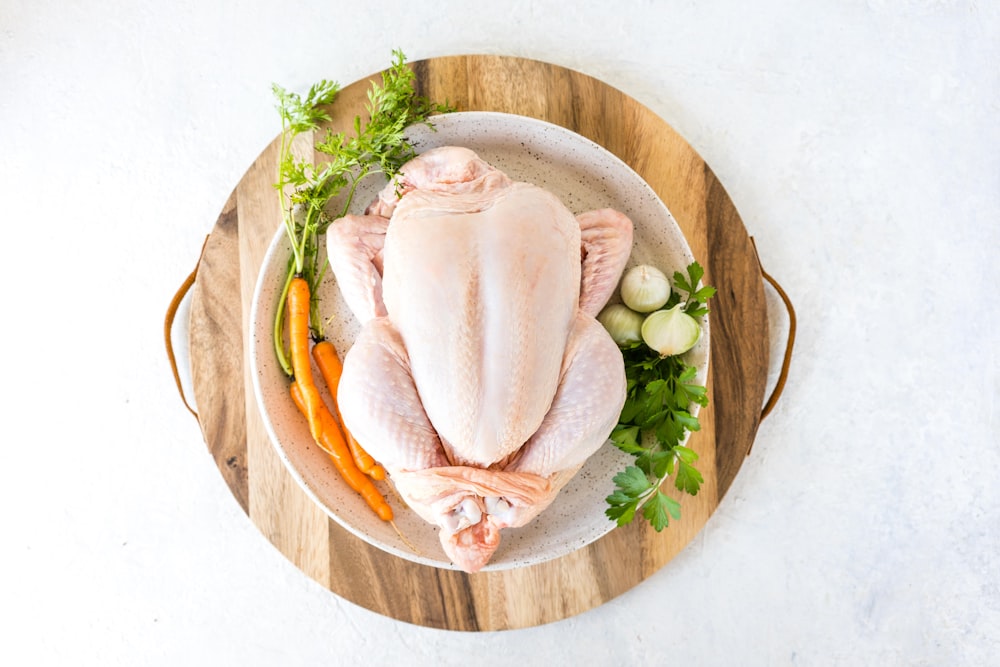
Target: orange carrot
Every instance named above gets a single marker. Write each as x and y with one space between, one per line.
331 440
328 362
298 335
363 459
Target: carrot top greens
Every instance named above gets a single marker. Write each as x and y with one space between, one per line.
306 187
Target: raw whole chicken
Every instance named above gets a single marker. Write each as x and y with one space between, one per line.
480 379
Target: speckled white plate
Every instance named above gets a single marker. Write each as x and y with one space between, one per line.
585 176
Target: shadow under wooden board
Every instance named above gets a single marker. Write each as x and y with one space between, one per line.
550 591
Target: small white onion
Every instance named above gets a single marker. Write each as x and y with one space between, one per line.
623 323
645 288
670 332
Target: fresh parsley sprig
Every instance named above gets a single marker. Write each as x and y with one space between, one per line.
697 296
655 419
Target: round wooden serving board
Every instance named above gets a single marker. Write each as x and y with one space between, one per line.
557 589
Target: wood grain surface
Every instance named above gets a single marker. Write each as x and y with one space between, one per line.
528 596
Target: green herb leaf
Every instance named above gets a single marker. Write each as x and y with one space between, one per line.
632 481
688 478
622 514
658 510
704 294
626 438
680 282
695 273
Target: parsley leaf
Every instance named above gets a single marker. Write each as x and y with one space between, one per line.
688 478
632 481
658 510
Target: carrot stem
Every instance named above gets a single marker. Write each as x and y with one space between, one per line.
279 325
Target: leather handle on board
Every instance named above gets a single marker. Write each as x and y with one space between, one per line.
787 360
169 323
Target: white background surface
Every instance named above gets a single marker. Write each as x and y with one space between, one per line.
859 140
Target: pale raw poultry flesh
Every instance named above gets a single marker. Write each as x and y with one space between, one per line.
480 379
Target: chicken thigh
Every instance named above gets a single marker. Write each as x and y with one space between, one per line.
481 379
